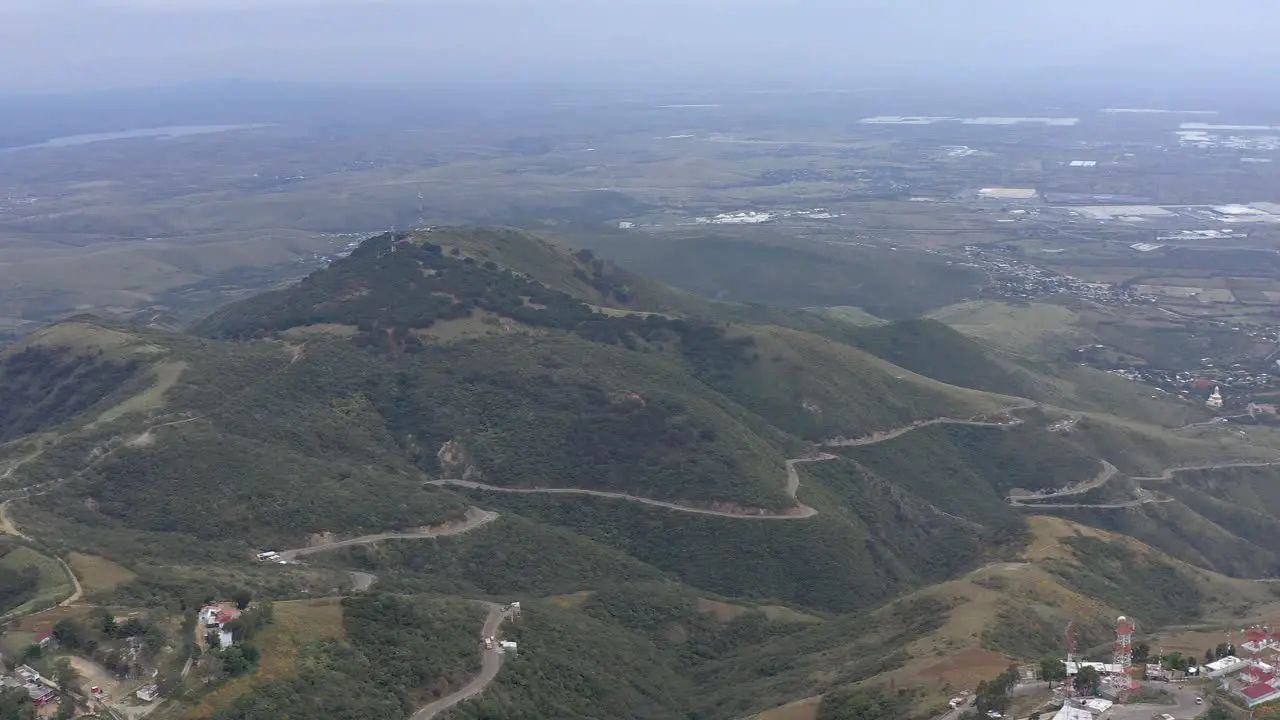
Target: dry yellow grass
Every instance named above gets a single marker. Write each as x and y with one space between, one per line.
724 612
572 600
98 574
297 622
87 337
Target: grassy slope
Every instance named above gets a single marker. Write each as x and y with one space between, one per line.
818 388
976 625
748 266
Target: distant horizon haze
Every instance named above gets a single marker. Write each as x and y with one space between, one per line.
58 46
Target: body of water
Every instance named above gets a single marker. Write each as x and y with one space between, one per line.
171 131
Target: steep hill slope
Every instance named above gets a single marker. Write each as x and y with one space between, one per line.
489 416
751 265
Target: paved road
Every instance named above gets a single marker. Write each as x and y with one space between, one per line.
490 664
1185 709
475 518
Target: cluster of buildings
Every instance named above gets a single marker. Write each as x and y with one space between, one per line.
41 691
214 619
751 217
1015 280
1251 674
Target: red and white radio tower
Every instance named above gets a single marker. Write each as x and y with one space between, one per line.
1124 643
1071 641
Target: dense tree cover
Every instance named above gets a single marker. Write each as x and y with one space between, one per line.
821 563
816 659
747 267
44 386
214 487
1116 574
995 695
575 666
1087 681
401 651
15 704
818 388
968 470
17 586
391 285
935 350
668 615
875 704
512 555
1052 669
106 641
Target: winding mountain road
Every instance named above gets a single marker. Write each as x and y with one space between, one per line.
1102 478
490 664
475 518
1168 473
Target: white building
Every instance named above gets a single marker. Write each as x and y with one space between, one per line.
1215 400
1090 709
1228 664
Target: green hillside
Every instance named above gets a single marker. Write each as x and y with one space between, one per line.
156 463
750 265
934 350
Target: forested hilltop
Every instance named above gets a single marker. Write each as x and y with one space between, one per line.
706 509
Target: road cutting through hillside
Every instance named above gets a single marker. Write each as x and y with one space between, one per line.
791 486
1102 478
475 518
490 664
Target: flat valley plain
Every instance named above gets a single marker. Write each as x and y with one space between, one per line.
167 226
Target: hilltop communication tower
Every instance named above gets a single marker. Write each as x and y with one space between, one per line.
1124 643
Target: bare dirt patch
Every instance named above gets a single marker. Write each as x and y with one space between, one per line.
98 574
297 622
967 667
142 440
806 709
720 611
480 323
96 675
573 600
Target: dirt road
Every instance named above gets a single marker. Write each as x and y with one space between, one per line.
799 513
1104 476
490 664
475 518
1168 473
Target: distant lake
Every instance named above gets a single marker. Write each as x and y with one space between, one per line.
171 131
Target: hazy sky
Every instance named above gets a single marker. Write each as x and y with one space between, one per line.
56 45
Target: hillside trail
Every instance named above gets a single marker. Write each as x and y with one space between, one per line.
791 485
474 518
490 664
9 528
801 511
1102 478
